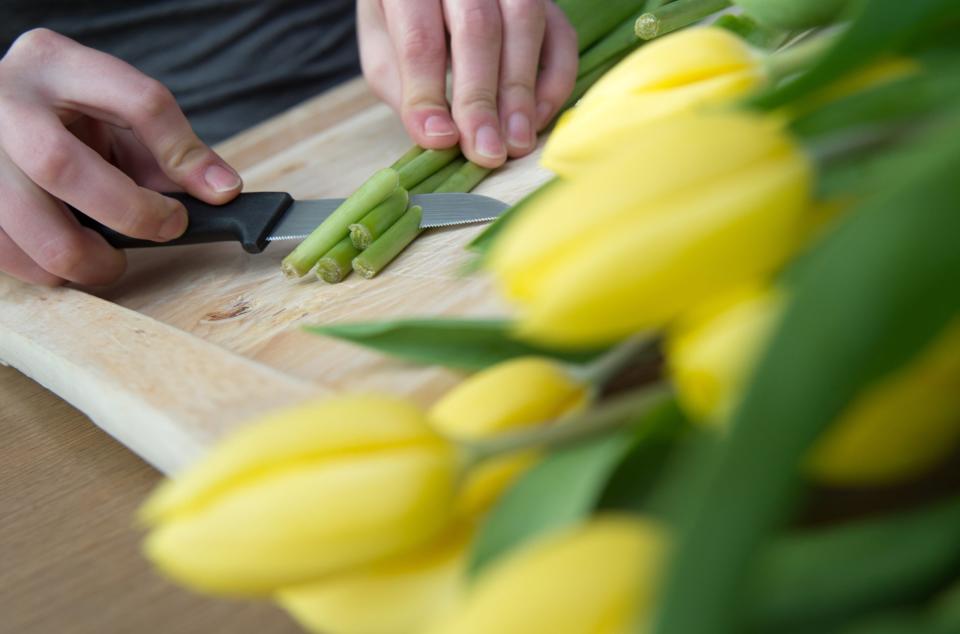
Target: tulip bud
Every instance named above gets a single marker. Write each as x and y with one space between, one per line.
594 578
509 396
895 430
691 208
402 595
306 492
682 71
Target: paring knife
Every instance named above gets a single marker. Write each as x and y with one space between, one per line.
258 218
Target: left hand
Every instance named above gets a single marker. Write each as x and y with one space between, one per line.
514 65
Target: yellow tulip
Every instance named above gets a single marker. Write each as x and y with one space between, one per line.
691 208
506 397
685 70
306 492
593 579
897 429
402 595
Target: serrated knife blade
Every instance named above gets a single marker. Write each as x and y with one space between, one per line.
439 210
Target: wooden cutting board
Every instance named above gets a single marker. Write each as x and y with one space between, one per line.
194 341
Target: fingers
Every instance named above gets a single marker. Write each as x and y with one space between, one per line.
524 22
558 60
60 164
46 244
416 28
18 264
80 79
475 34
377 55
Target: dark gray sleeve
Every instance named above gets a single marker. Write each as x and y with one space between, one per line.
230 63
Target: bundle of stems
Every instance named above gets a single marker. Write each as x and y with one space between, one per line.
359 235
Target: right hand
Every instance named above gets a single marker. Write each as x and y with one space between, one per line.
81 127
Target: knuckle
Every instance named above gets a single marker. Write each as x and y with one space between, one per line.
53 163
181 153
422 44
62 255
477 99
516 89
523 9
480 20
39 44
152 100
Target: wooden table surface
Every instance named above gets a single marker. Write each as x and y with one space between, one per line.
69 555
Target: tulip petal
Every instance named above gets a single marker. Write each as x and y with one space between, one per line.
683 152
642 273
404 595
592 580
310 431
300 522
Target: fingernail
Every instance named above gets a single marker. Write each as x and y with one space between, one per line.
488 143
173 226
221 179
544 110
437 125
519 131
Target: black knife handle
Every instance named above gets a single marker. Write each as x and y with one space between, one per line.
247 219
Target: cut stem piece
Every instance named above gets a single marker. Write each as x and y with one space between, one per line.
336 226
336 264
464 179
676 15
425 165
385 248
370 227
408 156
428 186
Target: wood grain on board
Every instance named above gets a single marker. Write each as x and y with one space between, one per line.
195 340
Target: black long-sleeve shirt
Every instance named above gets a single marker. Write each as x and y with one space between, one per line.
230 63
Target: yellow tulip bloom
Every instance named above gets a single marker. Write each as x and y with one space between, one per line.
685 70
897 429
506 397
593 579
306 492
690 209
402 595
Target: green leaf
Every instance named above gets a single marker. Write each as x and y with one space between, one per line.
559 491
875 292
880 27
567 485
817 577
465 344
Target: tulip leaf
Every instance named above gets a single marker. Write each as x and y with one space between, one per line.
464 344
559 491
879 28
570 483
864 302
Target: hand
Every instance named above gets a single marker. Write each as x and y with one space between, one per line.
82 127
514 65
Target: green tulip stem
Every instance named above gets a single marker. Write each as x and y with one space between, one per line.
336 227
607 366
335 265
385 248
792 59
675 15
429 185
379 219
425 165
616 44
608 416
464 179
408 156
